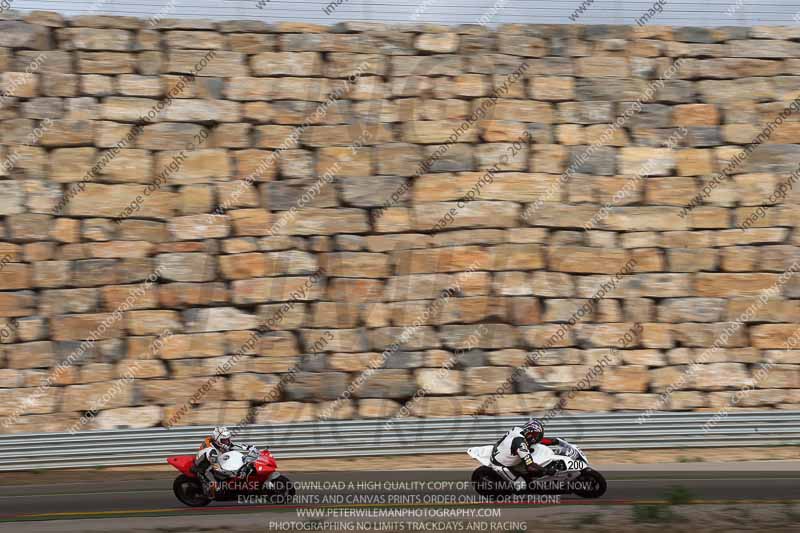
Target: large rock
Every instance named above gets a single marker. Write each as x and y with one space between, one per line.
629 378
357 264
248 386
312 221
728 285
509 404
373 191
194 39
636 402
586 260
439 380
430 65
477 214
483 380
94 39
113 297
208 413
334 340
30 355
398 159
152 322
647 161
720 376
691 310
377 408
179 392
449 259
773 335
188 110
286 64
86 326
725 334
442 43
550 377
117 393
435 407
29 400
590 401
259 290
217 63
197 166
285 412
186 266
385 383
241 266
218 319
11 201
16 276
488 336
314 386
436 132
508 186
112 201
655 218
771 158
779 376
611 335
127 418
192 345
16 34
106 63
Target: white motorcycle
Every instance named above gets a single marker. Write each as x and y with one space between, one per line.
568 471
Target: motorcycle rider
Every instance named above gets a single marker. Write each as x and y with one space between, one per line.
515 447
214 445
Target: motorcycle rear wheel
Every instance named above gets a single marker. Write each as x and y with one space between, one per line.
596 481
189 491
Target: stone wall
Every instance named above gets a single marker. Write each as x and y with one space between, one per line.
211 222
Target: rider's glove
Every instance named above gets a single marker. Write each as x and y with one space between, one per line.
532 468
535 470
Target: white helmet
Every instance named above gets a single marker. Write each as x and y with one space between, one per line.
222 438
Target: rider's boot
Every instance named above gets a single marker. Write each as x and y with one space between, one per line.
510 477
210 489
209 485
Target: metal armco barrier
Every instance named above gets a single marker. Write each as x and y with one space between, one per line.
354 438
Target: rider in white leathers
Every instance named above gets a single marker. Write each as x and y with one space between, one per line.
517 447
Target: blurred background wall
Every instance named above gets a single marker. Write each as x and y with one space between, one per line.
247 218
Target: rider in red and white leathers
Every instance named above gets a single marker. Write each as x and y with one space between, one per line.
208 454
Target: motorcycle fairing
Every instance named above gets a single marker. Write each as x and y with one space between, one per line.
183 463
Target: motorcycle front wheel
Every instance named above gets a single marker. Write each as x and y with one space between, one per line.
189 491
283 490
594 484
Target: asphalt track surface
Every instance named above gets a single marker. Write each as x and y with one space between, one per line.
110 498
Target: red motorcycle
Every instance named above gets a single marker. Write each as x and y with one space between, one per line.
250 477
